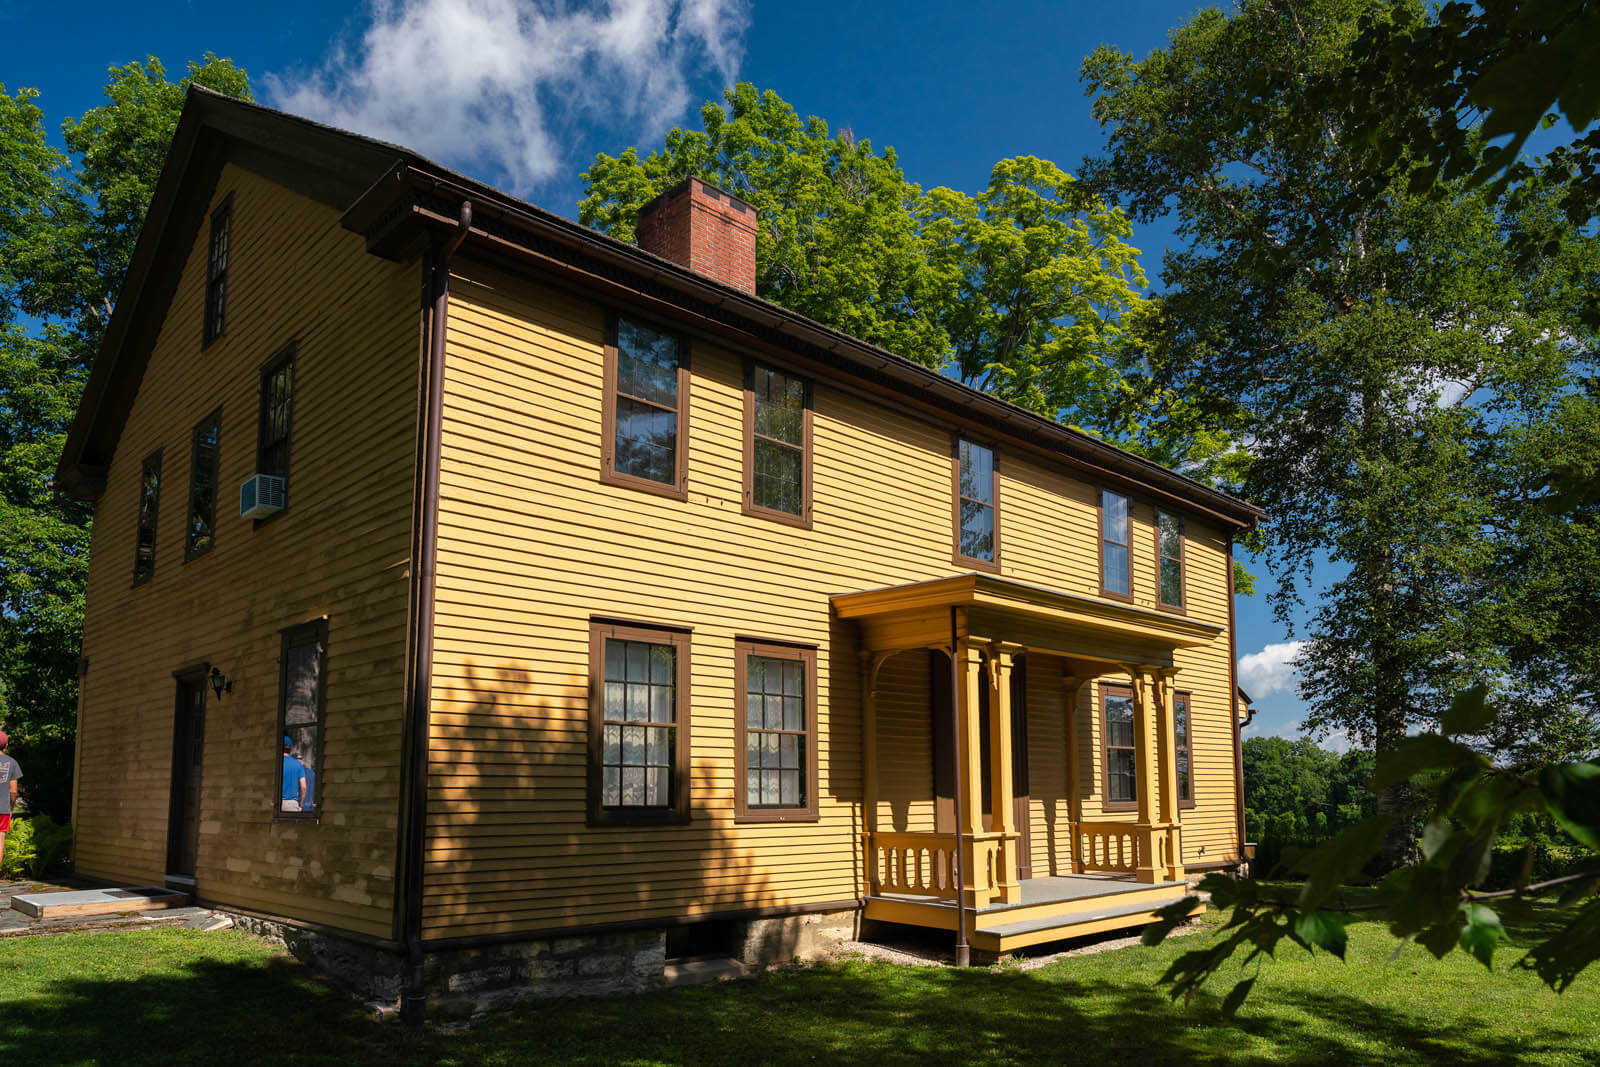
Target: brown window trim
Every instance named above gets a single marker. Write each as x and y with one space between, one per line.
1188 698
743 649
153 460
212 331
1100 542
1106 803
677 813
802 520
285 355
189 552
679 490
1180 608
956 555
316 630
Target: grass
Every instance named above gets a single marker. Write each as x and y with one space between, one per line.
176 996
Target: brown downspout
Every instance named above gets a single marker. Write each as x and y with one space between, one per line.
419 680
1233 710
963 950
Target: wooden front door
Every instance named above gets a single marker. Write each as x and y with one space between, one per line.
188 745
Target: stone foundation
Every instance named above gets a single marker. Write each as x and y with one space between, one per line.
470 981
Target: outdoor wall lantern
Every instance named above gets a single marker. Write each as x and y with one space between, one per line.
220 684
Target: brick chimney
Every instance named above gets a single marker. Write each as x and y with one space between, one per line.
699 226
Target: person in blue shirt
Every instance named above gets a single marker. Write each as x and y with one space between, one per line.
294 779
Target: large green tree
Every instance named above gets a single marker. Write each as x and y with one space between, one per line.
1028 289
1370 351
68 224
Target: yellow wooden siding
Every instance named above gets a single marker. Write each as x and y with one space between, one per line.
532 545
340 550
1049 800
905 744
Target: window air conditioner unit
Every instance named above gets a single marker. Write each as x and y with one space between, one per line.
260 496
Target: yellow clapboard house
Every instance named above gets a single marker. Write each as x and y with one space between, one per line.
583 613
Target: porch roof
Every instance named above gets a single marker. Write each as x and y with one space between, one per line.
918 615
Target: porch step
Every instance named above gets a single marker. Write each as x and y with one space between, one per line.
71 903
1014 935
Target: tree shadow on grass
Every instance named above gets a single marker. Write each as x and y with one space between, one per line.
248 1012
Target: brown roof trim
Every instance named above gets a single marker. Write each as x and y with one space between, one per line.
405 195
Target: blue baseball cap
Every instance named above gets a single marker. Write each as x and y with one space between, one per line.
288 740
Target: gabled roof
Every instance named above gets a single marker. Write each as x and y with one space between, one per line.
400 201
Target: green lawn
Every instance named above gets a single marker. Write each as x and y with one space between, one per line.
175 996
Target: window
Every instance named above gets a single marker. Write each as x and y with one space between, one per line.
977 526
647 390
203 486
1116 727
302 665
777 457
638 724
776 755
144 556
277 417
1114 577
1180 738
1169 562
217 273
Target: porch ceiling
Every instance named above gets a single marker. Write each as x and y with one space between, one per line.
918 615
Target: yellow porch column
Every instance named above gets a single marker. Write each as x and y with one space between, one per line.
1167 757
1002 799
968 665
1144 757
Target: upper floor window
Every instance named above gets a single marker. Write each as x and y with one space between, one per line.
303 664
776 750
1180 736
144 556
1115 580
277 418
217 272
638 724
647 391
203 486
1169 561
777 461
1116 730
977 509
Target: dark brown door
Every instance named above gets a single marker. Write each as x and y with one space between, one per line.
944 764
1019 764
188 744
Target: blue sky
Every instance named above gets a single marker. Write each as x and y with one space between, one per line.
524 94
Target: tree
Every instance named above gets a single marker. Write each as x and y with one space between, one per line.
1028 289
68 225
1369 351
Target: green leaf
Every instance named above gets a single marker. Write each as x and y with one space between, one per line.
1331 863
1482 932
1325 929
1469 713
1422 752
1235 997
1572 793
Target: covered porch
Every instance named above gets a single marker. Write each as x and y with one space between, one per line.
970 872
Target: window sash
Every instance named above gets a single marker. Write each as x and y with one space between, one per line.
1169 560
776 738
204 463
638 724
1117 735
144 549
1116 578
977 504
1181 729
777 445
276 420
217 256
647 387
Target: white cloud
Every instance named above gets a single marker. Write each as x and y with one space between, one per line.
1272 670
502 84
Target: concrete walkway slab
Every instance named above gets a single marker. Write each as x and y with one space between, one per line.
77 902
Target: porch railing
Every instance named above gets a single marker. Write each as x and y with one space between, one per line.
923 864
1124 846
